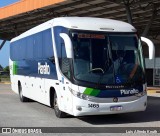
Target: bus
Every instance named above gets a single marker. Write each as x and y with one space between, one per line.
81 66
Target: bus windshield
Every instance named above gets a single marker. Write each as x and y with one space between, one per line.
107 59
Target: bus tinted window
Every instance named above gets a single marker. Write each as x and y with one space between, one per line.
47 44
37 46
29 47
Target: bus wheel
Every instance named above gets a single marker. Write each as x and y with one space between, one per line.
22 98
58 113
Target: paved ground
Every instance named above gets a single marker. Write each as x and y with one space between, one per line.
13 113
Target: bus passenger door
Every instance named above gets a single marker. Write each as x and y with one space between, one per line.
65 58
66 95
65 66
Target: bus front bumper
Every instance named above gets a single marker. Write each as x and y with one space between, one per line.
83 107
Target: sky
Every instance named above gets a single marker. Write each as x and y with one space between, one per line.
4 52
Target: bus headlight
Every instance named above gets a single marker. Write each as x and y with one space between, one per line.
79 95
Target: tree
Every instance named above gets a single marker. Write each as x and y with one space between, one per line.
6 69
1 68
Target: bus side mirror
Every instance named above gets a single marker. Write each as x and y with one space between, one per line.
68 45
151 47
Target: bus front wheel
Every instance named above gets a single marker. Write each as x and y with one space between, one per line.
58 113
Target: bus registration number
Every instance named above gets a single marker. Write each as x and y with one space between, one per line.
116 108
93 105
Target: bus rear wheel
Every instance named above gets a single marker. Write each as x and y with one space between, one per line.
22 98
58 112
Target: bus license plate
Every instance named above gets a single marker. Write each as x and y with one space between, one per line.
116 108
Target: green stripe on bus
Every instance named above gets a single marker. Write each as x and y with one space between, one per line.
14 68
88 91
95 92
91 91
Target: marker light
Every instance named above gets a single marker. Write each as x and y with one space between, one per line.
104 28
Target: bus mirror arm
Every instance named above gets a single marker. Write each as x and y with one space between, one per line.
151 47
68 45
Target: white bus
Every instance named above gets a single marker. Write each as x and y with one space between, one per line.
81 66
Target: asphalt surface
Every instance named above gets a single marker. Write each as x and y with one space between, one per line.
13 113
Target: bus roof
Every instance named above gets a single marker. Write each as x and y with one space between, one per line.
81 23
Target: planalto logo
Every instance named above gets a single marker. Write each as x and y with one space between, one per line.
132 91
43 69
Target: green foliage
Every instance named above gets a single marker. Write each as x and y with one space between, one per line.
6 69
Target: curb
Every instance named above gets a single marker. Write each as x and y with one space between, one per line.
153 91
7 83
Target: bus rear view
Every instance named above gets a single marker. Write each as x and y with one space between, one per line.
99 67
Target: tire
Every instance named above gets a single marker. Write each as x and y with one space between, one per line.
22 98
58 113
